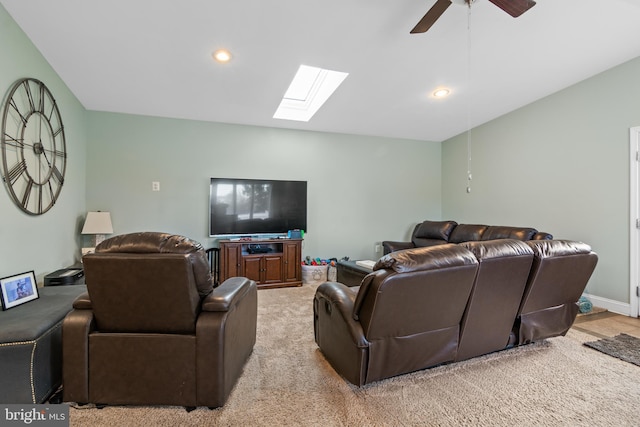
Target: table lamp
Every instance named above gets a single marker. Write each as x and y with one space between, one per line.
98 224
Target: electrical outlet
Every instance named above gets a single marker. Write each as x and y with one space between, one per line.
377 247
155 186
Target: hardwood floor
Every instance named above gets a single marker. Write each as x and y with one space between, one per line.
606 324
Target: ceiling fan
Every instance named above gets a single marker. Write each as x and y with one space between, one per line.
514 8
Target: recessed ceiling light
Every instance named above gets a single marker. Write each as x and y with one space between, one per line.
310 88
222 55
441 93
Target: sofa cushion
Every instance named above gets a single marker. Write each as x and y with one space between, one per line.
426 258
421 243
494 232
541 235
439 230
499 248
467 233
153 242
555 248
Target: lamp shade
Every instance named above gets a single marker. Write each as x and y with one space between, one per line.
98 223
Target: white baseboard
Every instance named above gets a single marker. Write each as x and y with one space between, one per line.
611 305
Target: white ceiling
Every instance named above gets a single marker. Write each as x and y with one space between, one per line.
153 57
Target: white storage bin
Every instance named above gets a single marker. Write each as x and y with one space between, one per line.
314 274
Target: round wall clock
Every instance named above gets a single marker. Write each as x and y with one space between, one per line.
34 154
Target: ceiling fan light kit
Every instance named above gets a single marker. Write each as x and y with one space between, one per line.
514 8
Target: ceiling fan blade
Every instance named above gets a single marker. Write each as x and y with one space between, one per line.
431 16
514 8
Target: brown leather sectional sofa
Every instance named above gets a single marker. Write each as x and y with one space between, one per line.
449 302
430 233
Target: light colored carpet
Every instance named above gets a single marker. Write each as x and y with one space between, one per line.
287 381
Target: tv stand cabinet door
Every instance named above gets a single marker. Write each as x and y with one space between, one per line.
252 268
230 260
292 258
272 269
264 269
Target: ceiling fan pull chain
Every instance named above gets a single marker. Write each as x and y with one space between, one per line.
469 175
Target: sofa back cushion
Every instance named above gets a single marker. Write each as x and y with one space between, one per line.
541 235
495 299
142 293
494 232
467 233
429 233
406 280
561 269
410 308
163 243
560 272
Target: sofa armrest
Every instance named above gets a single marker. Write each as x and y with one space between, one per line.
228 294
335 301
225 337
340 338
389 246
76 328
82 302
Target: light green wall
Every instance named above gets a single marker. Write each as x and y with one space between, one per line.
360 189
560 165
47 242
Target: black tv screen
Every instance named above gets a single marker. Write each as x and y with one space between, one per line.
246 207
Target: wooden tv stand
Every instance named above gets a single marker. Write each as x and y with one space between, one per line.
272 263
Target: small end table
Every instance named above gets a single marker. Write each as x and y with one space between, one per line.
351 274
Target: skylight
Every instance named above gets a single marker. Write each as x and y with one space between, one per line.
309 89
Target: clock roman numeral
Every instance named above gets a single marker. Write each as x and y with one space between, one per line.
28 190
53 110
41 103
15 107
57 175
16 171
39 190
27 89
51 192
27 193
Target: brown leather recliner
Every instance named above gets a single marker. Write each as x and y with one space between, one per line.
152 330
559 275
405 317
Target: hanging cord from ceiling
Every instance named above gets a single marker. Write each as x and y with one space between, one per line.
469 175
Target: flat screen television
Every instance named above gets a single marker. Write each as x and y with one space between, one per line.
247 207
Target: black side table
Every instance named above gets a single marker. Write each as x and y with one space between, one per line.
351 274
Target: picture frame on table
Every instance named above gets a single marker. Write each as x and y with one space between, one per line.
18 289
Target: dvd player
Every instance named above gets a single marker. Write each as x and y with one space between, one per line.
258 249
